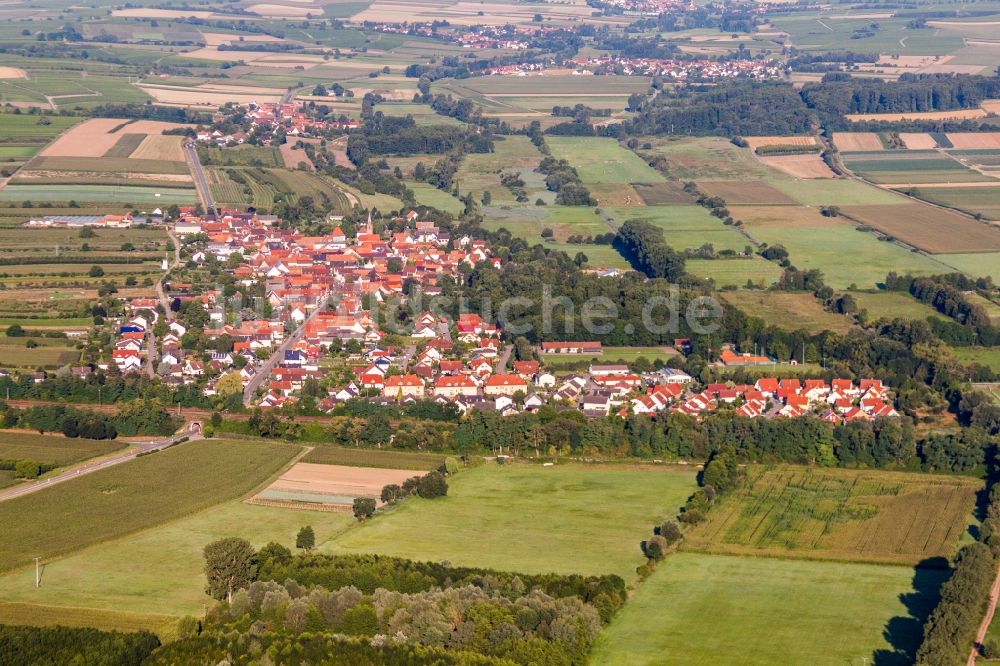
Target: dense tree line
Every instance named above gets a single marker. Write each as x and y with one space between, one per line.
69 645
743 108
371 572
840 94
139 417
103 387
951 628
306 649
830 61
149 112
373 431
643 244
883 442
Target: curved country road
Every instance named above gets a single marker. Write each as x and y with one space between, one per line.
93 466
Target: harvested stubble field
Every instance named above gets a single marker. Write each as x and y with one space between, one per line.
133 496
333 486
974 140
918 140
800 166
928 228
956 114
756 142
847 515
95 137
848 142
753 193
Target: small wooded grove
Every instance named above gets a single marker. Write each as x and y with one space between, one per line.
646 248
522 619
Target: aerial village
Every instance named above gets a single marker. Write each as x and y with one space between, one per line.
315 288
263 121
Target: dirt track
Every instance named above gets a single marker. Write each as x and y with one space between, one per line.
987 620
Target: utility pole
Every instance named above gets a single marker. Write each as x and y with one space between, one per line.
38 573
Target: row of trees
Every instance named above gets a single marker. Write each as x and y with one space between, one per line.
139 417
369 572
950 630
733 108
841 94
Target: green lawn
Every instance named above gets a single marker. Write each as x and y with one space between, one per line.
160 570
598 256
735 272
711 609
132 496
602 160
127 194
432 196
838 192
974 264
563 519
670 218
609 355
847 256
893 304
988 356
528 222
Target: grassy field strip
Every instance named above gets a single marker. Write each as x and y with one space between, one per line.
705 610
163 626
483 520
159 570
134 496
336 455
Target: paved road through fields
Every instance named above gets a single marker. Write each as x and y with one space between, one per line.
198 172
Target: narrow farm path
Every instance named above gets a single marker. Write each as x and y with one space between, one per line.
987 620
